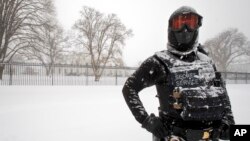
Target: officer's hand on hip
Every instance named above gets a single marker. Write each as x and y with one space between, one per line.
154 125
224 131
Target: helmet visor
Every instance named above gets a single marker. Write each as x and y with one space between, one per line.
190 19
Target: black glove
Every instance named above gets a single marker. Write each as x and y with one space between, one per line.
154 125
224 131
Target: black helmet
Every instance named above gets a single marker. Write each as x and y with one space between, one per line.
183 29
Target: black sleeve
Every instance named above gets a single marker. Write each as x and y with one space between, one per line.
148 74
228 116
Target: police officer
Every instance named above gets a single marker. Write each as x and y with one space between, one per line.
194 104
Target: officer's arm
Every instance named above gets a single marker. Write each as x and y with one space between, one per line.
228 118
146 75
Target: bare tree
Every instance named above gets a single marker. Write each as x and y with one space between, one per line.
16 18
73 53
47 46
48 42
102 36
227 47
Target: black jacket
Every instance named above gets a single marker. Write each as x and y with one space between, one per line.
153 72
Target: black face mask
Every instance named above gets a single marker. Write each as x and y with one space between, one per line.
184 39
184 36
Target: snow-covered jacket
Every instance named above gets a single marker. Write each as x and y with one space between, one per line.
161 69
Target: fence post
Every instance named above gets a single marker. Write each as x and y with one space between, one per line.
87 75
10 81
52 75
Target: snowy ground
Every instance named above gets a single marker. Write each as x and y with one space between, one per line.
87 113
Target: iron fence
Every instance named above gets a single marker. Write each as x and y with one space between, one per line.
62 74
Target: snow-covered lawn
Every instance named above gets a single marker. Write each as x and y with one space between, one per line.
85 113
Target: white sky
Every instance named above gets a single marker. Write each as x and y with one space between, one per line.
149 20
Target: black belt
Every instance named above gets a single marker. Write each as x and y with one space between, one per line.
193 134
192 130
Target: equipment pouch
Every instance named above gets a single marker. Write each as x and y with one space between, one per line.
200 104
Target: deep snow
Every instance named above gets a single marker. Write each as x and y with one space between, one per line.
86 113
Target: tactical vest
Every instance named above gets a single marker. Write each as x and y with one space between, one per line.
192 90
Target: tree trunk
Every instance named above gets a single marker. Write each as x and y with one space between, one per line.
47 71
97 77
1 71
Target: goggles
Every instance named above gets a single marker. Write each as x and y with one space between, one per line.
191 20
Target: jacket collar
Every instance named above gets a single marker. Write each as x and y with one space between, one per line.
182 53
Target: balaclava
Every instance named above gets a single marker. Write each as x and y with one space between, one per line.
183 30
